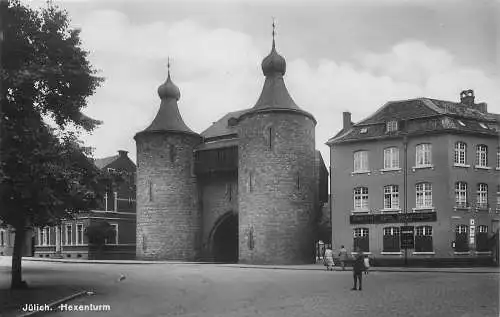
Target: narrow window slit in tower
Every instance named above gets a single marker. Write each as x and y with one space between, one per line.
298 180
172 153
250 181
270 138
150 190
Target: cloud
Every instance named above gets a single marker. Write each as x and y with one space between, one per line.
218 71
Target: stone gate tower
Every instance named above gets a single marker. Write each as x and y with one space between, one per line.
168 221
276 175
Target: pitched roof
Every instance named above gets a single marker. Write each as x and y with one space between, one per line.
222 127
421 115
103 162
423 107
218 144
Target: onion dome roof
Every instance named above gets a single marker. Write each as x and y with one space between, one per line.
168 118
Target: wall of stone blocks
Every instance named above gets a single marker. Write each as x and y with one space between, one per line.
168 216
276 188
219 196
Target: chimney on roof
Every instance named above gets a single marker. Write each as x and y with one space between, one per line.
122 153
467 97
347 120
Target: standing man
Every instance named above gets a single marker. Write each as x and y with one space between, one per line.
357 270
343 257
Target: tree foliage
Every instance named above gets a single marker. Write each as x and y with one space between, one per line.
46 76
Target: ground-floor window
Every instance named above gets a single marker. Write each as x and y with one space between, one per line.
79 233
391 240
69 235
361 239
2 237
423 239
461 238
482 239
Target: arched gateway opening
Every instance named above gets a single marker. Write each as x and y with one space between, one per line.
225 239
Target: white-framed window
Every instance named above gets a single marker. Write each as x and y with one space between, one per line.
461 194
423 155
391 197
361 198
69 235
44 236
391 158
79 233
391 239
482 195
482 155
361 239
482 229
461 238
462 229
3 238
423 239
423 195
460 156
47 236
392 126
360 161
41 234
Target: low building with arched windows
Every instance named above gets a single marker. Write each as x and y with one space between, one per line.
418 180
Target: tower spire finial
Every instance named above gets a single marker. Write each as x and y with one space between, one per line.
274 31
168 66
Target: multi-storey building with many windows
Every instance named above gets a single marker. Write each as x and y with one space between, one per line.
419 179
69 239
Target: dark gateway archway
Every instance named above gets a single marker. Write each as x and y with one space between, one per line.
225 240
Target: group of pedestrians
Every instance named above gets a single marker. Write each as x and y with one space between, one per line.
361 263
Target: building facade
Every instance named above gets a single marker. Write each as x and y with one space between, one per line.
418 181
7 236
69 239
247 189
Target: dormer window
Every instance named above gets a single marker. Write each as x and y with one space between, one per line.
461 123
392 126
363 130
111 170
483 125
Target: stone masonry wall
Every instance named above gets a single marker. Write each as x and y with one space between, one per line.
219 196
276 188
168 217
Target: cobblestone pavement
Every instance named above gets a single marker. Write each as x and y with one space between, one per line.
211 290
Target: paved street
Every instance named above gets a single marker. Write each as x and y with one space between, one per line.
211 290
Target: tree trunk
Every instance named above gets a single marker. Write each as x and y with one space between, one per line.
16 273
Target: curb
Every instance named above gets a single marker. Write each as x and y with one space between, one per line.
395 270
55 303
294 268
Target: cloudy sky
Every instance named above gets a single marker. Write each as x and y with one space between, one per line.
341 55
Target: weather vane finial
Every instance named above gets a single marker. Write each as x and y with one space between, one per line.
168 65
274 27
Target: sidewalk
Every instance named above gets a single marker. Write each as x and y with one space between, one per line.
310 267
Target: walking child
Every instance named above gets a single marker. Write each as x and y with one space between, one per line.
367 264
329 259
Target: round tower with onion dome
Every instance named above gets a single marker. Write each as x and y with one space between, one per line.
168 220
276 174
